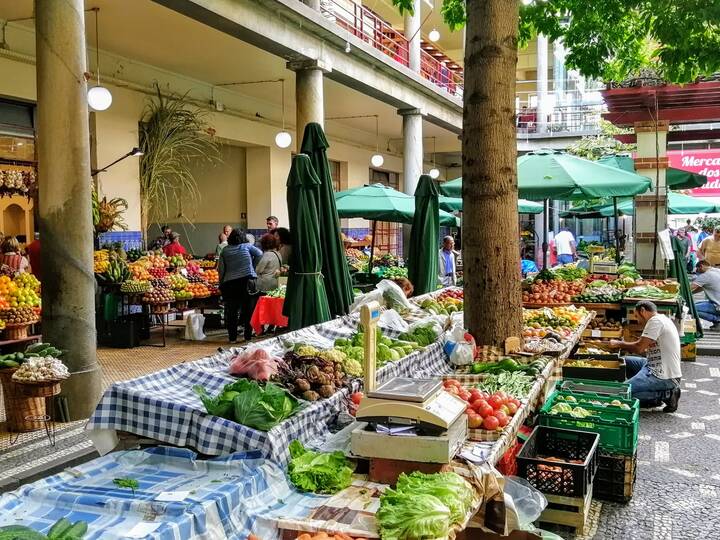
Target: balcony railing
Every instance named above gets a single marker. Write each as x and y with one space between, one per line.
363 23
562 120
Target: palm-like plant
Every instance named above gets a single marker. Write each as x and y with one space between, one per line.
173 135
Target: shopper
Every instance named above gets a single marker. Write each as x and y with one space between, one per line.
706 231
708 281
565 246
271 223
406 286
174 247
227 229
685 244
236 268
11 256
710 248
654 379
222 243
284 243
447 269
33 253
268 269
163 240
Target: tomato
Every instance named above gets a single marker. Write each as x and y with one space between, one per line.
512 408
504 408
491 423
502 418
474 420
502 395
480 402
475 394
485 411
452 389
515 402
495 401
356 397
464 394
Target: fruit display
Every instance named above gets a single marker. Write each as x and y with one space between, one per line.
160 283
135 286
139 270
178 261
158 296
157 259
551 292
211 276
198 290
457 294
193 267
158 272
604 294
182 295
116 271
18 315
133 254
101 260
485 411
177 282
608 325
559 318
40 369
206 264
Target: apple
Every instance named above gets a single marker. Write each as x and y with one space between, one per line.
491 423
502 418
485 411
495 401
474 420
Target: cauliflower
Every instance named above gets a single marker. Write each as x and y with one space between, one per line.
306 350
353 368
333 355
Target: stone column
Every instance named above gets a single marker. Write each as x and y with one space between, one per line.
412 159
651 207
68 289
412 34
309 104
542 83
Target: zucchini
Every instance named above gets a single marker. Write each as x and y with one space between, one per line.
76 532
20 532
58 530
11 363
36 347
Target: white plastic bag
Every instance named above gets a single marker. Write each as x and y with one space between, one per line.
372 296
194 324
393 296
459 346
528 501
392 319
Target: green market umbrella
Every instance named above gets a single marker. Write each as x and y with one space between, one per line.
338 284
423 257
451 188
454 204
675 178
306 301
678 203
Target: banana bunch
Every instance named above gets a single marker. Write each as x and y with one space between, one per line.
117 271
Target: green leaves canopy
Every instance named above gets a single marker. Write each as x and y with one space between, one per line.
616 39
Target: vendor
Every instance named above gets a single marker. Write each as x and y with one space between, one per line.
710 248
654 379
174 247
708 281
406 286
447 265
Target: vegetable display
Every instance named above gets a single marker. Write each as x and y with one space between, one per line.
277 293
424 506
248 403
63 529
508 365
422 335
442 305
486 411
569 272
318 472
310 376
254 364
516 384
41 369
388 349
602 294
650 292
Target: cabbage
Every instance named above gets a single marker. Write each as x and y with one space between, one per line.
452 490
407 516
318 472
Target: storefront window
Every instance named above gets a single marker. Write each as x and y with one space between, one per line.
388 234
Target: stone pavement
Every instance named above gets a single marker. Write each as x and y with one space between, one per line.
677 493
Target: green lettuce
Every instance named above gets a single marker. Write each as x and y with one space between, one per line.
449 488
407 516
319 472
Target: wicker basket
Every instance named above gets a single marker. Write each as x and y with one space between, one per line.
17 331
19 407
158 309
181 305
38 389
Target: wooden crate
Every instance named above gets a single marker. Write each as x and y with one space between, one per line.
604 334
568 511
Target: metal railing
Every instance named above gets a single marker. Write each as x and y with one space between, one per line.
561 120
365 24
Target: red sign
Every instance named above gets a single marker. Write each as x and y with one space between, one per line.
705 162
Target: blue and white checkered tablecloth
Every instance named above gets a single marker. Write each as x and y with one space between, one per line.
226 498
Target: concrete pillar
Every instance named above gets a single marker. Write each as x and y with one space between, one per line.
68 289
651 208
309 100
267 171
412 159
412 34
543 110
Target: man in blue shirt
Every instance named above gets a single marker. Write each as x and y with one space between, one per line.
447 263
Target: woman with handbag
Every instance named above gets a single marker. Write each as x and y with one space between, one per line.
268 268
238 282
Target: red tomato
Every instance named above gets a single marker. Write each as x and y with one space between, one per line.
475 394
485 411
504 408
512 408
356 397
452 390
491 423
502 395
495 401
478 403
464 394
502 418
515 402
474 420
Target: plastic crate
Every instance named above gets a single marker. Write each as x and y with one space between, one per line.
615 477
607 388
559 477
612 370
618 428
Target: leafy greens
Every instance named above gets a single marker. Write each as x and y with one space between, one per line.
319 472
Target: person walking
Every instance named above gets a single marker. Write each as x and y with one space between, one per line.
654 379
11 256
565 246
236 268
710 248
686 243
447 265
268 268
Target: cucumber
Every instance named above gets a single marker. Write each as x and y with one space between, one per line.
11 363
59 529
36 347
76 532
19 356
20 532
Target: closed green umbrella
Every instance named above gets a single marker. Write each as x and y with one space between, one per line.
455 204
675 178
677 269
306 301
423 256
338 284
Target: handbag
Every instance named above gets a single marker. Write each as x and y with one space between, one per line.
252 287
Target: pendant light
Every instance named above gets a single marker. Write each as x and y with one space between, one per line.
283 139
377 160
434 35
99 98
434 172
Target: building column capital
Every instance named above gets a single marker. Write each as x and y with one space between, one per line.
648 126
309 65
410 112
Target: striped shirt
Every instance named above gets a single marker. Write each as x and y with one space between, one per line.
238 262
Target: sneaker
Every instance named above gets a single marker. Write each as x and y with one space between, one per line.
671 404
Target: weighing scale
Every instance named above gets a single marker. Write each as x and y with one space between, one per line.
404 418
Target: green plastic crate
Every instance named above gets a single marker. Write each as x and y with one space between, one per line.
618 428
609 388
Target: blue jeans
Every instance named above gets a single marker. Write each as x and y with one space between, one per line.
645 386
707 311
565 259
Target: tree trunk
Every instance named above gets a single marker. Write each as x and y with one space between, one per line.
491 254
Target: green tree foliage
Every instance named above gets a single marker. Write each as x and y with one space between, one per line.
615 39
596 146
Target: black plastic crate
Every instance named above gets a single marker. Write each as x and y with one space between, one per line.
559 477
615 478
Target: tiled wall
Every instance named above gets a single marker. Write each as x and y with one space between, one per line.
128 239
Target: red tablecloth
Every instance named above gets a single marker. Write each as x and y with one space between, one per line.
268 311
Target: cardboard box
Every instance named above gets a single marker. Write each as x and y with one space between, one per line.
477 534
